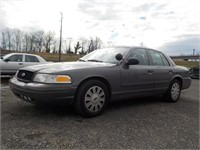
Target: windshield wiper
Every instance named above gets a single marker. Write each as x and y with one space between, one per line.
94 60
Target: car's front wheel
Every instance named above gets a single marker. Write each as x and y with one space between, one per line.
91 98
174 91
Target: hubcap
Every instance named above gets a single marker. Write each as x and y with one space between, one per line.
175 91
94 98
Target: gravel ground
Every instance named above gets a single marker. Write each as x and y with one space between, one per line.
147 123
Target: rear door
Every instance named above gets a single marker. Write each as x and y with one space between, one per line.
162 70
31 60
137 79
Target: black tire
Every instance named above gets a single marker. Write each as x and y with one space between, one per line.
91 98
173 92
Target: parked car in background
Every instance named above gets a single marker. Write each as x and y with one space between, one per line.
100 76
194 72
10 63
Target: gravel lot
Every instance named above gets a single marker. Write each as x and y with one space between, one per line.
147 123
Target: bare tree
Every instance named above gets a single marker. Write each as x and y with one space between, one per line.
90 45
77 47
49 37
83 44
26 41
32 41
93 44
68 49
9 38
17 39
3 38
39 39
55 45
97 43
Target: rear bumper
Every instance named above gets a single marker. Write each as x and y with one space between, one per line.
186 83
38 92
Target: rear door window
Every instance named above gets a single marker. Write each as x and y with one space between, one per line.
29 58
165 61
156 58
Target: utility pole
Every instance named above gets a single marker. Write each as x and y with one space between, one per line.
60 45
193 52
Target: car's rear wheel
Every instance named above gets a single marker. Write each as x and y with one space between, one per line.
91 98
174 91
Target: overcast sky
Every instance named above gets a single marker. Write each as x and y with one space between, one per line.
172 26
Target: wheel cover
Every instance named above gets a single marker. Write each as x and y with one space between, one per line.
175 91
94 99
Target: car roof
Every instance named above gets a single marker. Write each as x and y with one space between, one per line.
131 47
24 54
147 48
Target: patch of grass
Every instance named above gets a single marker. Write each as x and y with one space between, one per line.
189 64
55 57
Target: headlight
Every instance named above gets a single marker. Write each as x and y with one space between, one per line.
46 78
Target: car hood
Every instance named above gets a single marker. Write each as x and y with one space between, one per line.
66 66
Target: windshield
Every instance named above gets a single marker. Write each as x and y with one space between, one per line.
106 55
6 56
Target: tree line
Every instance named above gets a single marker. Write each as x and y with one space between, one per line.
40 41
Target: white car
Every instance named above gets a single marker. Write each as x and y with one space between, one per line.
10 63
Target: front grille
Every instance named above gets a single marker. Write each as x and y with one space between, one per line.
24 75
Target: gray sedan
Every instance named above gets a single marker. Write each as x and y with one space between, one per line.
10 63
101 76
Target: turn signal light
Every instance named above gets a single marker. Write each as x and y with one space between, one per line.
63 79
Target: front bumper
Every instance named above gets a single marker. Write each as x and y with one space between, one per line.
186 83
39 92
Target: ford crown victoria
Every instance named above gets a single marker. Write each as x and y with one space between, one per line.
101 76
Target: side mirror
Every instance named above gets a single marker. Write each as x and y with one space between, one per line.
132 61
118 56
6 60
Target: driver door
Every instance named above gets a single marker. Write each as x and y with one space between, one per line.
137 79
13 63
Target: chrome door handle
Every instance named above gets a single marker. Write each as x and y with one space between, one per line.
20 63
150 72
170 71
